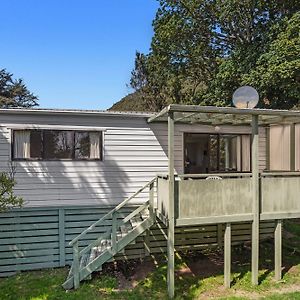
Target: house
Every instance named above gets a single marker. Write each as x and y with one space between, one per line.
75 168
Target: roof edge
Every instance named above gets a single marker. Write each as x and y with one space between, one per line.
78 112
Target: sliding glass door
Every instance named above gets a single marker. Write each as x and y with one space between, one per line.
213 153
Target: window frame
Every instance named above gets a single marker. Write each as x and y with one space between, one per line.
101 138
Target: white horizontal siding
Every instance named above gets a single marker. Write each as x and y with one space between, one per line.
134 152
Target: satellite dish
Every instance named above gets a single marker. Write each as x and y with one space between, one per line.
245 97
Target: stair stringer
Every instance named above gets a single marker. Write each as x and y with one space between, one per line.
109 253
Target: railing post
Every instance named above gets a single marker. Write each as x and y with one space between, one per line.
76 265
171 217
255 203
114 233
151 199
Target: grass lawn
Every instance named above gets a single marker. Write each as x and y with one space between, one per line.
198 276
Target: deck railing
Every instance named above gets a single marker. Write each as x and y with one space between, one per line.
201 201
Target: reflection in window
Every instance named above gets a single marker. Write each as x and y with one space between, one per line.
57 144
82 145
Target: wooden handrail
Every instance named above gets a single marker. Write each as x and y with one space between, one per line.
110 213
280 173
214 174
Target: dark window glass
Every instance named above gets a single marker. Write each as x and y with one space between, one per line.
58 144
82 145
36 144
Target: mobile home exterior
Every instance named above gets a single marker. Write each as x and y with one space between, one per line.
103 158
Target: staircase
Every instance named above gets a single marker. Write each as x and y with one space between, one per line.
113 241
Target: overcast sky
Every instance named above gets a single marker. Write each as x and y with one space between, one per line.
72 53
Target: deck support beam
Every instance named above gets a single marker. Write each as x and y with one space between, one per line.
171 217
255 196
278 250
227 255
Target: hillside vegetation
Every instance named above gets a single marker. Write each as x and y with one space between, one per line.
201 51
131 102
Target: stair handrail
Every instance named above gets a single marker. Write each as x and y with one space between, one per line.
110 213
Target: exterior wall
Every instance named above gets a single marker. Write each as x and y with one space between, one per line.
36 238
134 152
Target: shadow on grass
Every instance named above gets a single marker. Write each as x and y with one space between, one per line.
197 273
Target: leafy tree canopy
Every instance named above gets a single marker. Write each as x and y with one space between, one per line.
202 50
14 93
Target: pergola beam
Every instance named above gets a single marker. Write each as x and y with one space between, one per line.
232 110
267 116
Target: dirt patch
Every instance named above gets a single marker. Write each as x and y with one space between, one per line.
129 273
141 272
200 265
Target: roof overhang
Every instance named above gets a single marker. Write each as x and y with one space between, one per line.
74 112
211 115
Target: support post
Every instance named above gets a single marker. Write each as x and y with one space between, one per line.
278 250
292 148
76 265
171 218
114 233
255 201
227 255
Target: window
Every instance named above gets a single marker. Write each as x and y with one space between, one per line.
209 153
57 145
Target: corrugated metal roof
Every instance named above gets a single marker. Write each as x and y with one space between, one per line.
21 110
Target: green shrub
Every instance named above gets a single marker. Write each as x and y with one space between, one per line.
7 197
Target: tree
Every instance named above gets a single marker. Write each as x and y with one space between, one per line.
277 71
7 197
202 50
14 93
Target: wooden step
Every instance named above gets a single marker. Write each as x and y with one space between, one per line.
103 252
136 221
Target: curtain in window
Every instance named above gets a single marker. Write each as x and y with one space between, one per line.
246 153
94 145
22 144
280 147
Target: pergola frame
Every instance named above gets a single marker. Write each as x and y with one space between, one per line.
191 114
